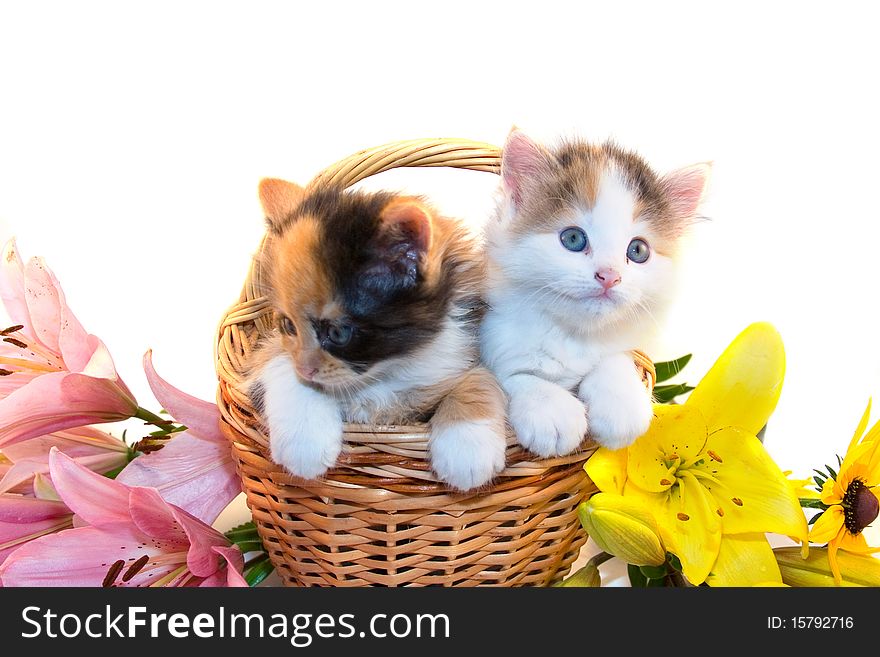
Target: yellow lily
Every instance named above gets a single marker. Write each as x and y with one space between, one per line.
707 479
851 496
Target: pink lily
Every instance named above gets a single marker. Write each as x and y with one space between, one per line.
133 538
194 470
53 374
95 449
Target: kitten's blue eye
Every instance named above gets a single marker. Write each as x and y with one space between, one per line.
339 334
638 250
574 239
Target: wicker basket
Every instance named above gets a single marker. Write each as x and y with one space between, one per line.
380 517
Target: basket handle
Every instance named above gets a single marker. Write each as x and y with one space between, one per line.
439 152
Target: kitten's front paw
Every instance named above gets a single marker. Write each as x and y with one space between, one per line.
547 419
467 455
620 410
309 442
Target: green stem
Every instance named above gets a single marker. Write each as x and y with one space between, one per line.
600 558
151 418
811 503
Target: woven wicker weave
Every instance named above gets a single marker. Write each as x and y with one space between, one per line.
380 517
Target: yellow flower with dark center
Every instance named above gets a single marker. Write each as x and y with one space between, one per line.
851 496
708 481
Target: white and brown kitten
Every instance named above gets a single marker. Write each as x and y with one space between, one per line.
378 301
581 260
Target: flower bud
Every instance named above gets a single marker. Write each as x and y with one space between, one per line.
855 569
622 527
588 576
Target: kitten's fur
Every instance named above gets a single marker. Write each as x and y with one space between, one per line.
561 323
410 285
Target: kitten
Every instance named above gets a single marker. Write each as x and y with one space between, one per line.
580 265
378 301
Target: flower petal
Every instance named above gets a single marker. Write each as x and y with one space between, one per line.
607 469
166 522
744 560
15 534
677 434
93 497
81 557
152 515
79 441
20 509
860 431
688 524
234 564
200 417
856 543
12 288
743 386
44 299
828 525
751 491
61 400
195 474
23 472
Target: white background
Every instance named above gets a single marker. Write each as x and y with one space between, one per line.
132 138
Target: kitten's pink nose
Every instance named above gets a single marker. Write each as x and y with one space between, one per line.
307 370
608 277
308 373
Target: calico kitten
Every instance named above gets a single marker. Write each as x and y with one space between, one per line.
581 265
378 300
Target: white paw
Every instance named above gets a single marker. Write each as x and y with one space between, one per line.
467 455
619 407
305 426
547 419
308 446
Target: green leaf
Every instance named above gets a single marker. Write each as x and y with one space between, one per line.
668 369
819 482
250 546
636 578
654 583
258 569
812 503
665 394
244 532
654 572
815 518
832 471
114 472
673 561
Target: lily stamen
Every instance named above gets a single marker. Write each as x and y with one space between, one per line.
16 342
135 568
112 574
12 329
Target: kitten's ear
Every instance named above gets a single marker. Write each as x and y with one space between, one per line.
404 237
279 198
523 162
407 222
684 188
